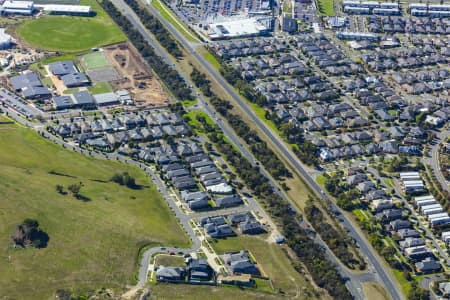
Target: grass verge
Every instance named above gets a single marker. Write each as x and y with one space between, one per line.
170 17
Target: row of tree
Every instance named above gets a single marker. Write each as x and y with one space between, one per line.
159 31
323 272
258 147
338 242
168 75
305 150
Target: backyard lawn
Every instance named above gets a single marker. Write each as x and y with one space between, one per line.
93 243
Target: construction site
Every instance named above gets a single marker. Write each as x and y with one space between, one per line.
135 76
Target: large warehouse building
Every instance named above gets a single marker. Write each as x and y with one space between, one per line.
13 7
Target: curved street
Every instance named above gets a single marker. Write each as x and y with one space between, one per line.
434 159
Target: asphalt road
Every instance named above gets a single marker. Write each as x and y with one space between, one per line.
434 161
374 260
354 284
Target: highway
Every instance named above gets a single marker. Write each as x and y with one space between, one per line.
373 258
354 283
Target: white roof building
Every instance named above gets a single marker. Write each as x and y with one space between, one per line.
65 9
17 7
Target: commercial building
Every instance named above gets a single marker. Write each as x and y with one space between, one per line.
106 99
240 26
12 7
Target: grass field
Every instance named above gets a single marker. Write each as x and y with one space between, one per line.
326 8
92 244
195 124
71 34
274 263
374 291
161 291
95 60
189 103
210 58
167 14
169 260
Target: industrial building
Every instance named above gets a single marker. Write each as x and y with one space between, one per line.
13 7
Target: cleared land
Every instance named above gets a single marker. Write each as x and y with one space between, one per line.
92 244
135 76
273 262
169 260
70 34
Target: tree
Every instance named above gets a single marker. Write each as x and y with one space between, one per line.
29 234
60 189
75 189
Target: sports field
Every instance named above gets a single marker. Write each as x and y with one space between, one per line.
93 243
95 60
70 34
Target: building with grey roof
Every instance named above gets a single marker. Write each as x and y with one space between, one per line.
75 80
62 102
36 92
25 80
61 68
106 99
240 263
170 274
83 100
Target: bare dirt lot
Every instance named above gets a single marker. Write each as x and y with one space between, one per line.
136 76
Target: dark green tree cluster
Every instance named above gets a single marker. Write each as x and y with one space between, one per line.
28 234
168 75
154 26
323 272
258 147
337 241
201 82
305 150
124 179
